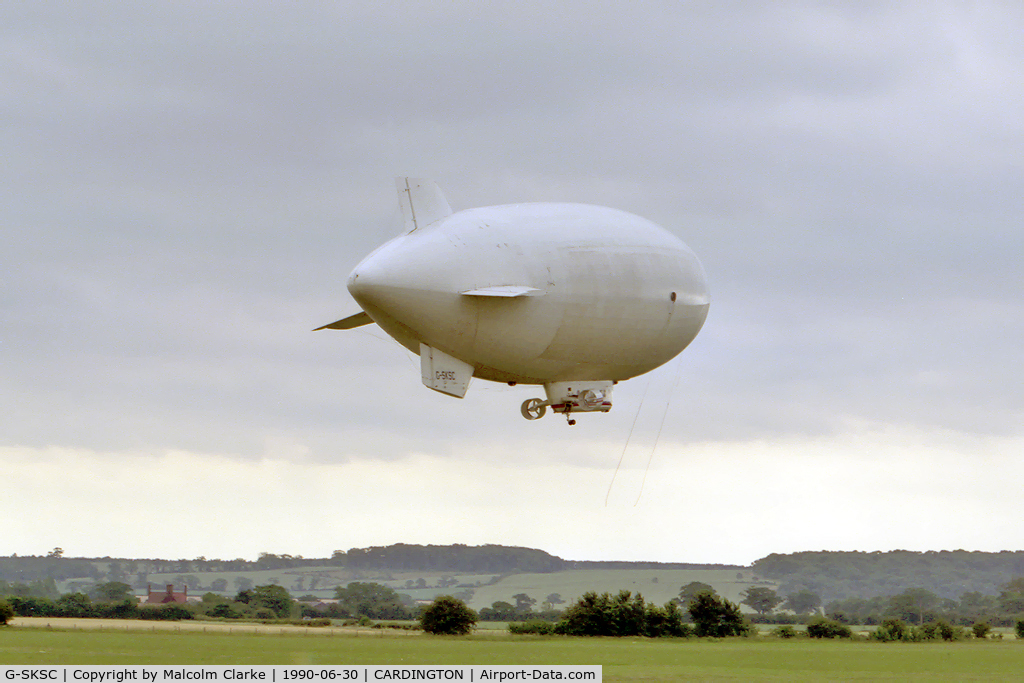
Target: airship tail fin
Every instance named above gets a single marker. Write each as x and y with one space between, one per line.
422 202
443 373
357 320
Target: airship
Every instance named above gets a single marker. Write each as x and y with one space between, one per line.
571 297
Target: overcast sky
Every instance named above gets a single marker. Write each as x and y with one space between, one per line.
186 186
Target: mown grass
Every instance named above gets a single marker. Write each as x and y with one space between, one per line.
622 659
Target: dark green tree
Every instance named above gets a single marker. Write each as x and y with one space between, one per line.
499 611
802 602
974 605
190 580
624 614
373 600
112 591
6 612
270 597
601 615
762 600
524 603
912 604
665 621
688 592
447 616
717 617
857 610
1011 597
224 611
74 605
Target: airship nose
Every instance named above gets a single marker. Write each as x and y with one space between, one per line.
389 278
368 282
405 290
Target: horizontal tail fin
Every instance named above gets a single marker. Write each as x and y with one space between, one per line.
357 320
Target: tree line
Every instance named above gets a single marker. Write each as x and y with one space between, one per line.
841 575
915 605
114 600
974 577
454 558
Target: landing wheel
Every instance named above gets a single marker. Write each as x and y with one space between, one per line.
533 409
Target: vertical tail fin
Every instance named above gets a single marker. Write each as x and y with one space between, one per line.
422 202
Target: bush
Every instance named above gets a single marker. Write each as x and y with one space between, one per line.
827 628
665 621
6 612
717 617
1020 629
622 615
447 616
603 615
535 626
33 607
892 630
941 630
785 631
981 630
224 611
165 613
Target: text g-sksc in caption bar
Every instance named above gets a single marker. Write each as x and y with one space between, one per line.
364 673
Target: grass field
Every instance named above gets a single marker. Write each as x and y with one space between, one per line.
625 659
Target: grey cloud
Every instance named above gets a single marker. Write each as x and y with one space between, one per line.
192 184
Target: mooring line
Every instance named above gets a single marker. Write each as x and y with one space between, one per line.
668 403
628 439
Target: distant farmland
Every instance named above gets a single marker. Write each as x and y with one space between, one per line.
656 585
298 581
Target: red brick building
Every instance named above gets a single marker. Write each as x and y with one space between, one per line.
166 597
